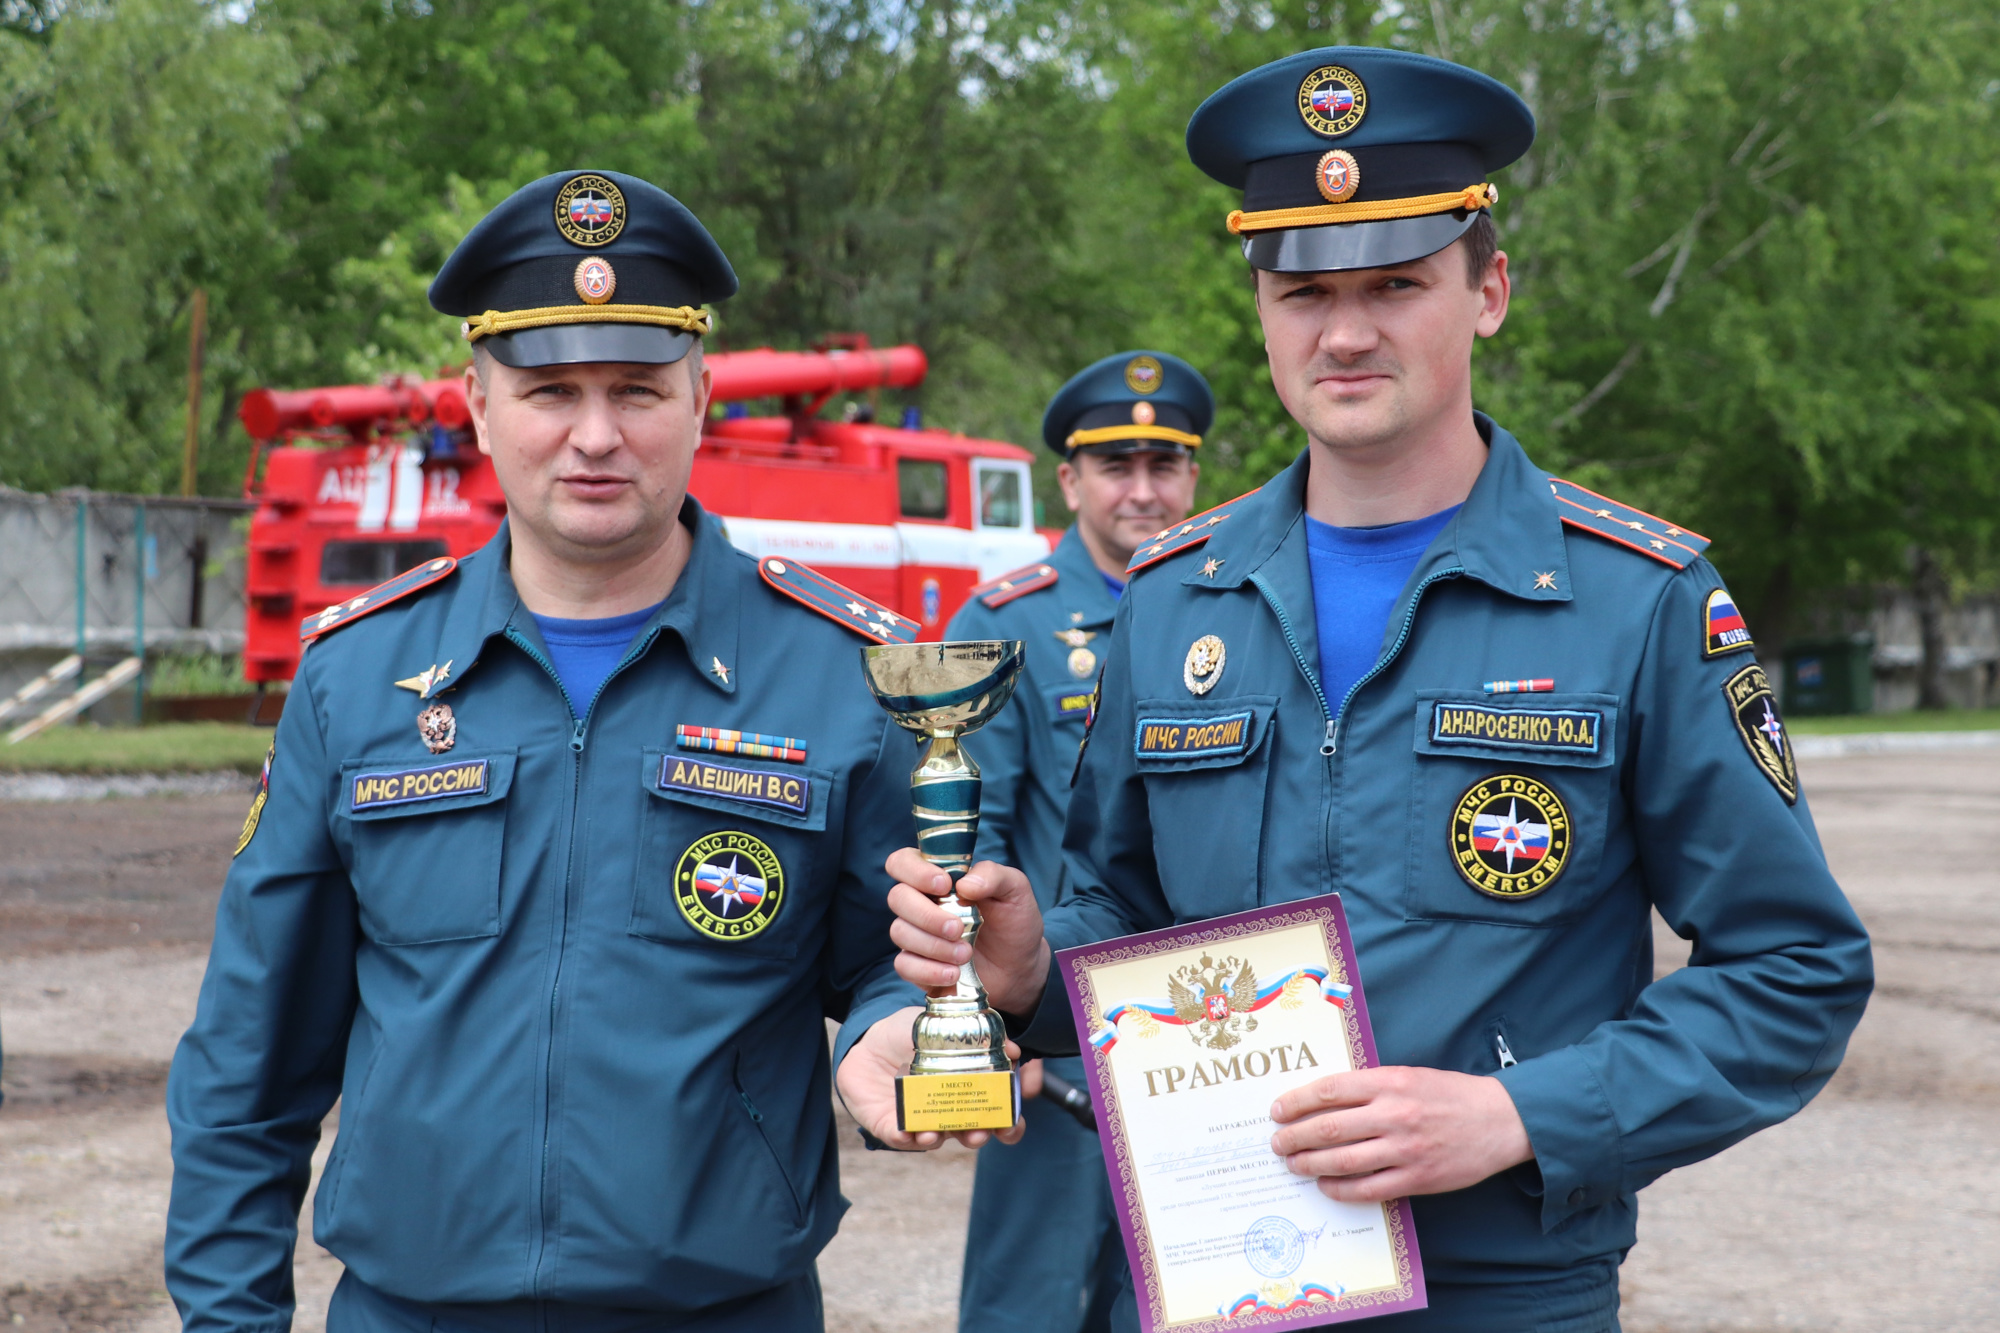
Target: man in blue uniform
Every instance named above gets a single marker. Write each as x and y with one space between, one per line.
1042 1253
564 853
1501 715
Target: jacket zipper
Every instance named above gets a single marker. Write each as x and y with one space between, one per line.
1298 655
1409 619
543 1205
1507 1060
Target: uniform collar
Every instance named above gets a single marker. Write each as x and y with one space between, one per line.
1085 600
703 611
1508 533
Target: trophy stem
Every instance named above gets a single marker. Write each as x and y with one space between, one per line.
956 1033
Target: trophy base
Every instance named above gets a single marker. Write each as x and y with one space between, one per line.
941 1103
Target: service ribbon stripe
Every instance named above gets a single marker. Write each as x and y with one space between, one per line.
1539 685
1309 1294
754 744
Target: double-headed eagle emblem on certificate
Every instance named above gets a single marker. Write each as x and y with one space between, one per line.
1214 1000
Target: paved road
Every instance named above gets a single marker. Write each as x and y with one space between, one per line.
1874 1209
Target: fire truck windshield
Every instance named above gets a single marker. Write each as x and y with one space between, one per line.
367 563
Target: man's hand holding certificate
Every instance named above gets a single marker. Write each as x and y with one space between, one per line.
1261 1160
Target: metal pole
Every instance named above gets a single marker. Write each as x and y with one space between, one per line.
139 613
82 579
197 338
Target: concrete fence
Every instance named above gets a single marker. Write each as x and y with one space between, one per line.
101 574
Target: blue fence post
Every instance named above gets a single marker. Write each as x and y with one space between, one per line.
82 579
139 612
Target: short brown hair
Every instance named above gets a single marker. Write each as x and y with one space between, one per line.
1481 241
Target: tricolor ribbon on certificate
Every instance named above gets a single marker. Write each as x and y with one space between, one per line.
1333 992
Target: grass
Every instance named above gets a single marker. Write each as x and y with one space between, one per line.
172 747
196 674
1952 719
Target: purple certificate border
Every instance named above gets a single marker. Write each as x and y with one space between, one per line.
1075 964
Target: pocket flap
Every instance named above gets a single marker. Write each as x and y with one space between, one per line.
788 794
1577 730
1176 734
396 788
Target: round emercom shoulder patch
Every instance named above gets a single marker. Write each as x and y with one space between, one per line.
1510 836
729 885
590 211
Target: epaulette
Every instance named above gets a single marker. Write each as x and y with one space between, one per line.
1172 541
1021 582
810 588
351 610
1643 532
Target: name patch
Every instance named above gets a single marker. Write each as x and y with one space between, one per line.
1193 738
1516 728
374 790
1069 704
786 791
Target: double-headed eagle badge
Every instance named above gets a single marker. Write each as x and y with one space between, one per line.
1213 1001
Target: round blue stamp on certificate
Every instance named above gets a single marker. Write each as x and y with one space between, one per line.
1274 1247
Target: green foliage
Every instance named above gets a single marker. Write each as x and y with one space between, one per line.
1757 275
194 675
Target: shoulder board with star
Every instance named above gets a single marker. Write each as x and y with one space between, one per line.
1019 583
344 613
814 590
1645 533
1170 542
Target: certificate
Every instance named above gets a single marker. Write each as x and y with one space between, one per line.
1190 1034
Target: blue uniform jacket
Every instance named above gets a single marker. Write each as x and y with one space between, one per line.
1027 754
1619 1078
553 1085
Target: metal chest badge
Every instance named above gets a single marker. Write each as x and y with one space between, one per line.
1205 659
1755 709
1332 101
1082 661
438 727
1510 836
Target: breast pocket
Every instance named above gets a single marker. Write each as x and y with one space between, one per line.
727 854
428 841
1511 806
1206 765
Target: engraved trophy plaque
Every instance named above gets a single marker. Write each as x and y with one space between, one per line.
961 1077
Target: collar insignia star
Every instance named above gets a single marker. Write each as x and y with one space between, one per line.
1209 566
721 671
1545 582
1076 617
856 608
426 680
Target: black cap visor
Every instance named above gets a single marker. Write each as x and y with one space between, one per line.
1352 245
578 344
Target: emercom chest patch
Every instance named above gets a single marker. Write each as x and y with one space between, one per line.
1075 703
785 791
374 790
1193 737
1572 732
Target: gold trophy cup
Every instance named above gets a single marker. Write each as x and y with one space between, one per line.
961 1077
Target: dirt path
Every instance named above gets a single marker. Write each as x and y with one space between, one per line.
1871 1210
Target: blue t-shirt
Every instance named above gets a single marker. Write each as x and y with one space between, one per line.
1117 586
584 652
1357 574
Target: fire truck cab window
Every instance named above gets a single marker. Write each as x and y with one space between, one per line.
921 484
370 563
1001 487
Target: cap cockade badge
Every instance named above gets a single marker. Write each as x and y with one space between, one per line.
1205 657
1332 101
590 210
595 280
1338 176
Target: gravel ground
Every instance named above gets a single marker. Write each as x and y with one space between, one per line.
1874 1209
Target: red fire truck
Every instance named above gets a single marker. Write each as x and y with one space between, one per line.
361 482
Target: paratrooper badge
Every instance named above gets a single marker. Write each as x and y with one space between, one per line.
1510 836
1755 709
426 680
